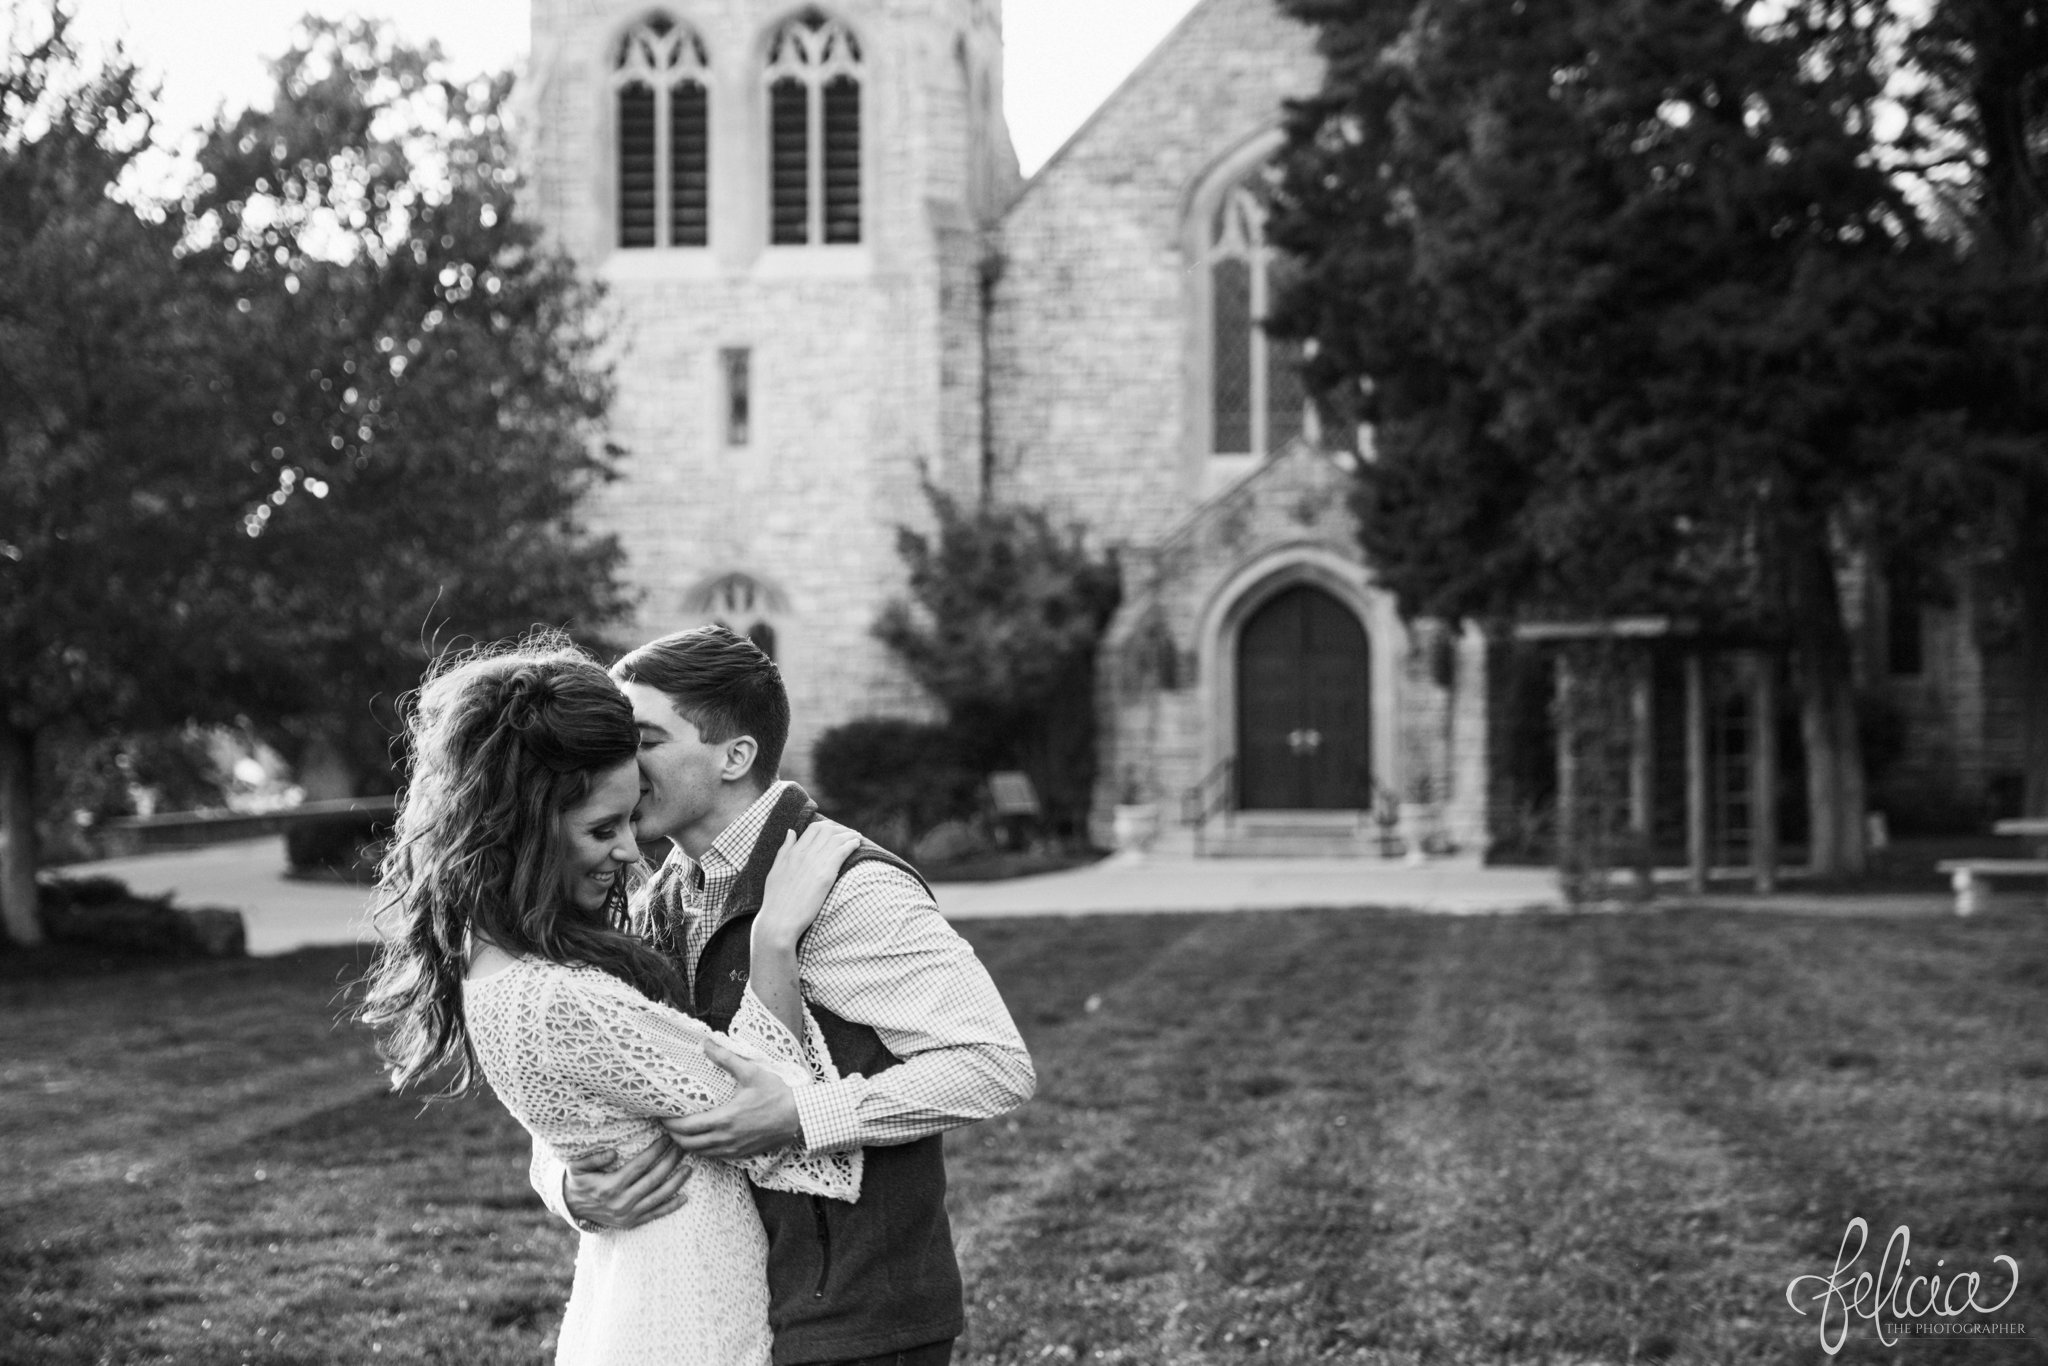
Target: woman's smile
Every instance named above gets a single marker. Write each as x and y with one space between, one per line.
597 837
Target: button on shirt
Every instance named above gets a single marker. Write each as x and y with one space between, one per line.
879 955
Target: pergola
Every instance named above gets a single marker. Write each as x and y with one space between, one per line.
1756 667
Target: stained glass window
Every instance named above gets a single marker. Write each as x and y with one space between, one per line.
1257 402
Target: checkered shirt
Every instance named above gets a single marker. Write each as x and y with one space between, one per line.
879 955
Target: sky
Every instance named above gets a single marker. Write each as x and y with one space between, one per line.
1064 56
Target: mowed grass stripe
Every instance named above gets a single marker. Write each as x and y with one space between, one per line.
1892 1071
1562 1139
1198 1084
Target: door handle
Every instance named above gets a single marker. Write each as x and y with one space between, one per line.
1304 741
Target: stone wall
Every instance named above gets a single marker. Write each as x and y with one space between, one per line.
1089 336
1168 665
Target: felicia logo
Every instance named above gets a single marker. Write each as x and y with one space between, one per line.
1923 1306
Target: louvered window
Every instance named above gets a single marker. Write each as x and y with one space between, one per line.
689 161
789 118
637 152
661 73
842 159
814 133
1257 403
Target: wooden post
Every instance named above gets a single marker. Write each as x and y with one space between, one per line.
1567 760
1763 771
1696 830
1642 772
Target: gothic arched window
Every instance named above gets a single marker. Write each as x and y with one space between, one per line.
660 76
814 76
1257 404
742 602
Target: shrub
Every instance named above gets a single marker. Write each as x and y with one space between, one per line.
1005 613
348 843
102 913
894 779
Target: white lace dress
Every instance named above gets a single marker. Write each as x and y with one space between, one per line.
586 1062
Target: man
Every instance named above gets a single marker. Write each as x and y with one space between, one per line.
919 1036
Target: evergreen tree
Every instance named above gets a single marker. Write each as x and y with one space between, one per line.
1976 146
1620 288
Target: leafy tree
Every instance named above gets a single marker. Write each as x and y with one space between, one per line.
420 372
1001 626
259 449
1631 308
122 576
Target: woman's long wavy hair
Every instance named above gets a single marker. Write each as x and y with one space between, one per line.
502 741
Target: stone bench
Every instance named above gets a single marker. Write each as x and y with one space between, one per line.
1971 877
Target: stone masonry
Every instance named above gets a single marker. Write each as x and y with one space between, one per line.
864 359
1043 343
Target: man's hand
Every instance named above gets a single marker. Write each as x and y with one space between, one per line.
762 1116
599 1191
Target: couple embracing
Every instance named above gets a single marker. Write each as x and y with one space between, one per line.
736 1072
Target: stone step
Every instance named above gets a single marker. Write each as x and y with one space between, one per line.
1277 842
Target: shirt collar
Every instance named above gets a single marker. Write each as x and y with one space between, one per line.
728 853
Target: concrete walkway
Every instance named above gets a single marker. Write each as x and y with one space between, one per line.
283 914
280 913
1178 883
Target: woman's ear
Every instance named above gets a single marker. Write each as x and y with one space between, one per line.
740 753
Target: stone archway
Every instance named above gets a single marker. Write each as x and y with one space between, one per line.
1304 704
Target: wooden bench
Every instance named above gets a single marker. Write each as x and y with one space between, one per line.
1971 877
126 835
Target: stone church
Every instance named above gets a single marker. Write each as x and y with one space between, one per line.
827 281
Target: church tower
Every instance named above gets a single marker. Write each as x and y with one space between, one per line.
788 205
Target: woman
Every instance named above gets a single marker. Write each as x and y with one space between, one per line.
507 952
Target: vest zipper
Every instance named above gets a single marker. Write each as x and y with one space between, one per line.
824 1245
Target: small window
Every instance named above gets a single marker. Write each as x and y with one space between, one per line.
763 635
736 364
664 110
814 133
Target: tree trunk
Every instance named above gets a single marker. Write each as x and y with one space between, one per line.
2031 562
18 825
1835 795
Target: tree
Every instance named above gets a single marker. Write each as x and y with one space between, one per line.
1002 623
259 449
1976 149
120 573
421 372
1629 304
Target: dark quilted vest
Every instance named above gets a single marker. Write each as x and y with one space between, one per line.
844 1280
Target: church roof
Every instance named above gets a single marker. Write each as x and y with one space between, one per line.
1211 29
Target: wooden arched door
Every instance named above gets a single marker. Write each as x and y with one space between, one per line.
1304 709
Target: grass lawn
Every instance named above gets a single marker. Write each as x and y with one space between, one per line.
1311 1137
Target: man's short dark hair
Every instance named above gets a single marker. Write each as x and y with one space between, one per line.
721 683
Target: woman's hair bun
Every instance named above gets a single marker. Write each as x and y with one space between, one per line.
527 692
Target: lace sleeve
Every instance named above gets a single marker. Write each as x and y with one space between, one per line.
632 1053
649 1060
755 1030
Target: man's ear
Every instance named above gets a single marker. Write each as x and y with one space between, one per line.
740 753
